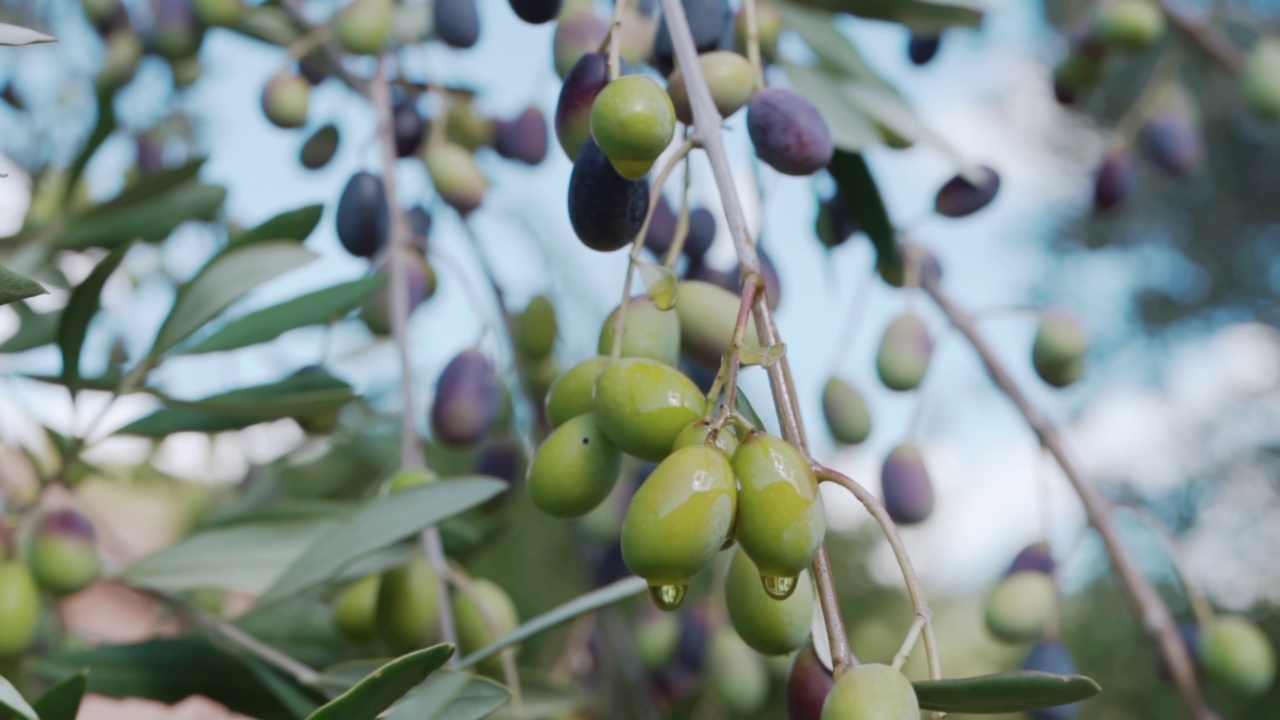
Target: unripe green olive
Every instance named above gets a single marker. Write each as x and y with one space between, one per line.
698 432
457 177
124 50
1237 655
737 674
708 314
730 78
538 376
1129 24
678 520
19 609
872 692
1020 606
846 412
769 625
572 393
1261 79
356 615
633 121
650 332
285 100
642 405
657 637
63 554
536 328
408 606
468 128
483 619
220 13
364 26
903 356
1059 348
780 522
574 469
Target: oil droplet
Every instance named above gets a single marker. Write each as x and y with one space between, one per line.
778 588
667 597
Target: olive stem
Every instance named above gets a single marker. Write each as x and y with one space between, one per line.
510 674
707 132
733 359
1210 39
682 222
615 40
1200 606
1127 127
1153 613
753 42
315 37
909 642
295 8
655 196
909 577
411 454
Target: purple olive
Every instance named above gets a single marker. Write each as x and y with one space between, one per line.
536 12
1172 143
1115 181
573 110
605 209
711 22
908 491
409 127
457 22
808 686
788 132
468 399
1052 657
960 198
523 138
1036 557
922 48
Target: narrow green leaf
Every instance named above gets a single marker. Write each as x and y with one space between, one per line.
581 605
81 307
924 16
152 186
150 220
380 523
384 686
226 278
106 383
62 701
248 557
168 421
270 24
850 129
292 225
11 700
15 287
34 329
1008 692
299 395
322 306
285 690
14 35
102 129
857 186
819 32
451 695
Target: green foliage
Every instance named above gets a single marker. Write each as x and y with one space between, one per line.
11 700
14 287
80 310
62 701
1006 692
385 685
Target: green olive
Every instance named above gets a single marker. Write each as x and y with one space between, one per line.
572 393
574 469
657 637
466 127
680 517
482 619
633 121
650 332
408 606
1059 349
19 609
736 673
63 553
216 13
538 377
364 26
698 432
708 314
642 405
457 176
1020 606
903 356
730 78
780 520
536 328
285 100
769 625
356 616
1129 24
872 692
1236 654
846 412
1261 79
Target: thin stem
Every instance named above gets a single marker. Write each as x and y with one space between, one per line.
315 37
1154 615
1195 596
682 222
753 42
615 40
411 454
1216 44
732 363
914 591
707 133
296 9
909 642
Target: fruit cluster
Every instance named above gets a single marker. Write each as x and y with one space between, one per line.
60 559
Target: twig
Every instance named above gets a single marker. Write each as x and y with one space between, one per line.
411 455
615 40
294 7
1208 38
1200 606
681 232
1155 616
753 42
909 642
707 133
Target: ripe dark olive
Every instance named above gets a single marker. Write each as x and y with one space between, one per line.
642 405
285 100
807 686
363 217
523 138
574 469
364 26
175 32
356 615
1020 606
536 12
457 22
662 229
63 553
19 609
1052 657
1236 654
408 606
780 521
572 393
217 13
376 311
711 22
922 48
892 267
845 411
834 224
1172 143
960 198
903 356
320 148
576 37
650 332
536 328
702 234
872 692
1115 181
419 226
605 209
632 121
788 133
457 177
468 399
736 674
1128 24
906 487
409 127
1261 79
729 77
582 84
708 314
484 618
1036 557
1059 348
769 625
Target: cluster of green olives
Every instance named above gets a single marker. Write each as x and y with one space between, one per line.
60 559
1024 603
